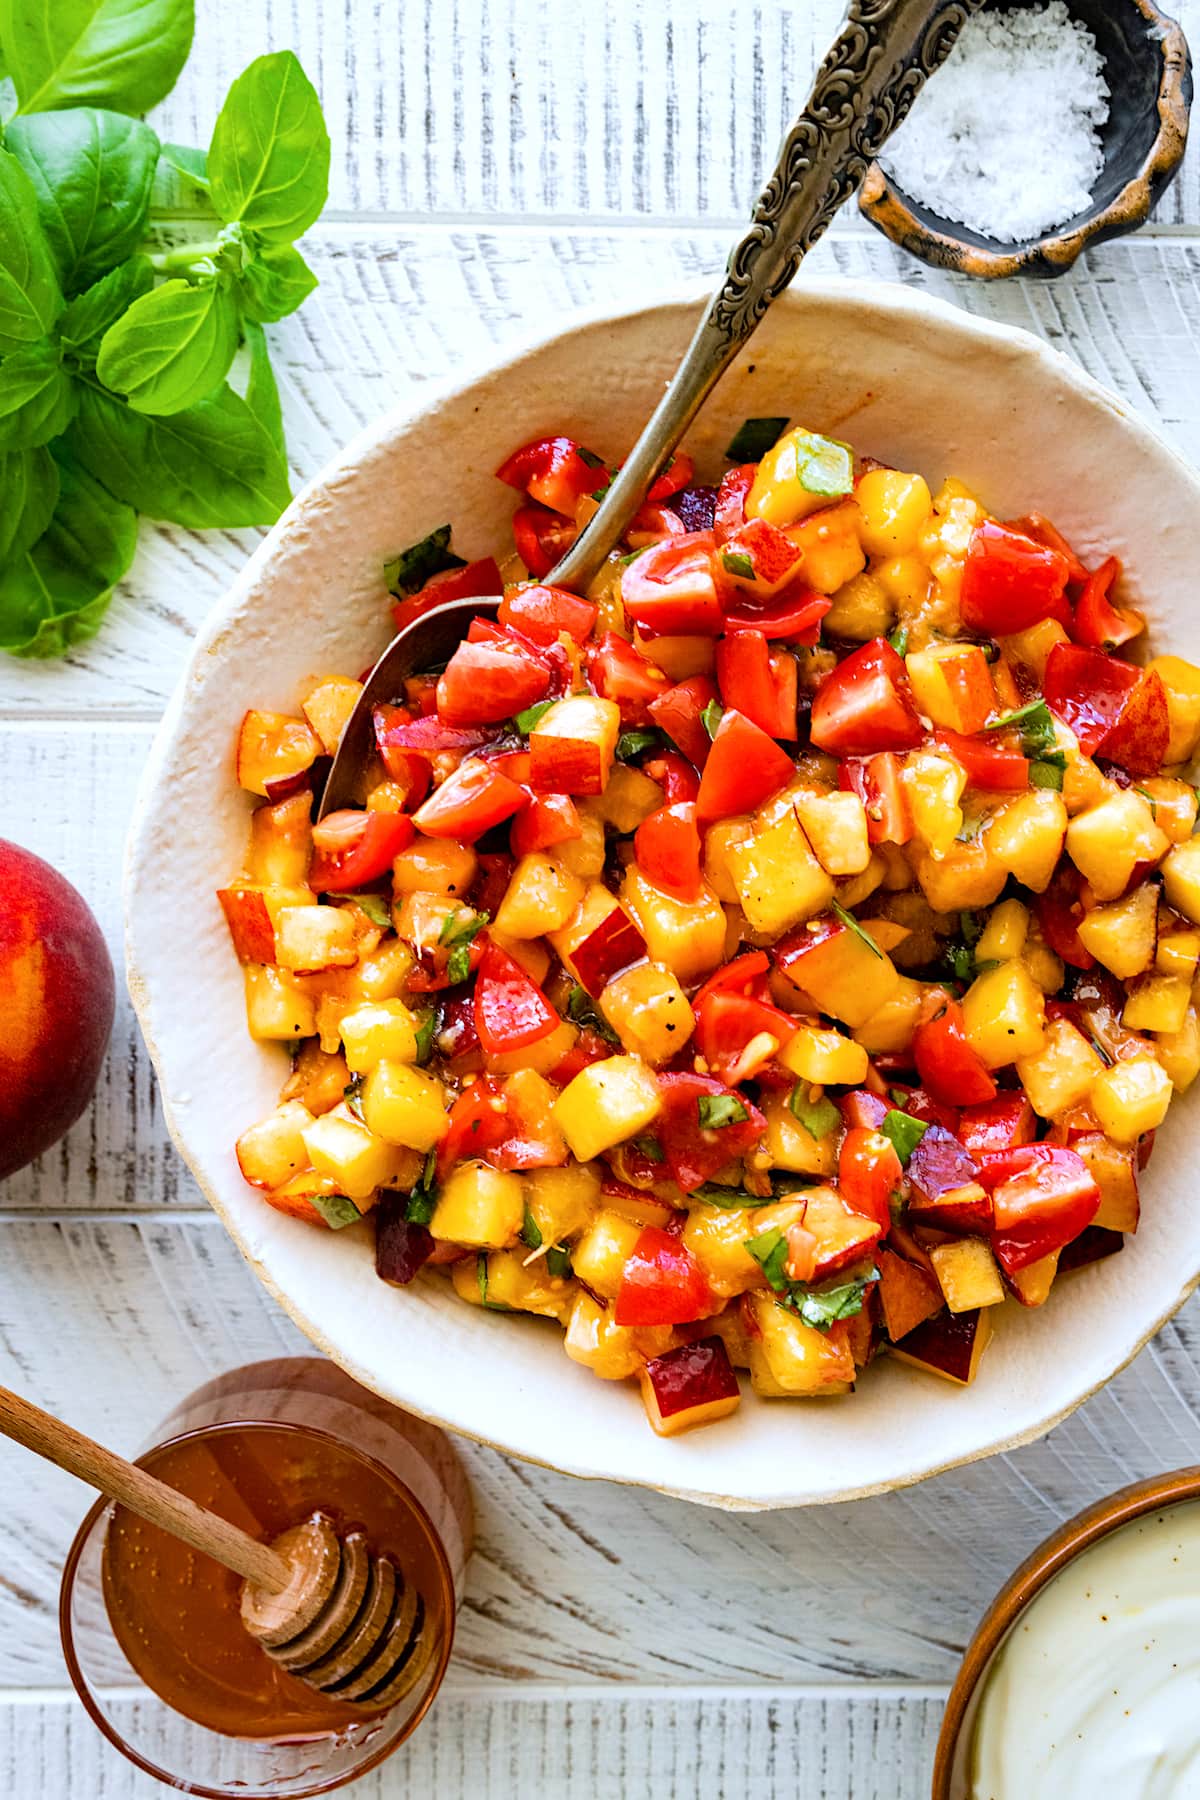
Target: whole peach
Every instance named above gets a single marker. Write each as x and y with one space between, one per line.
56 1005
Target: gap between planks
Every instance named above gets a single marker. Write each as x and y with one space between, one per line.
558 1693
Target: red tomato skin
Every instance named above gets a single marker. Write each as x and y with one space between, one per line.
511 1010
484 683
1098 623
552 471
545 820
342 871
1043 1195
674 775
990 766
762 684
744 767
1059 913
729 514
662 1283
863 705
478 1123
679 712
676 475
617 671
746 974
727 1022
945 1060
476 580
469 802
1010 581
793 616
1000 1124
542 538
1088 690
877 782
1036 526
542 612
693 1155
869 1172
668 849
674 587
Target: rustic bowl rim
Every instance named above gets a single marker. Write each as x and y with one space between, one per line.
887 208
1174 1487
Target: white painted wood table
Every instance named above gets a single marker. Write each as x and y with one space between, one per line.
496 163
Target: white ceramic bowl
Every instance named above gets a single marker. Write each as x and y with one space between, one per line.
907 379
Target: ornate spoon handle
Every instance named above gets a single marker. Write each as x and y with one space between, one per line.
870 77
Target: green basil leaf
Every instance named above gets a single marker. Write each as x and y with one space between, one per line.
458 964
634 743
268 163
262 392
90 314
56 594
719 1110
1049 771
37 396
650 1148
274 284
407 573
736 562
851 923
421 1204
352 1095
30 296
121 53
525 721
1038 734
583 1011
824 466
822 1307
769 1250
213 464
375 907
558 1262
818 1117
92 172
172 347
904 1131
711 717
753 438
531 1235
898 639
28 496
426 1031
458 930
481 1275
336 1209
730 1199
187 161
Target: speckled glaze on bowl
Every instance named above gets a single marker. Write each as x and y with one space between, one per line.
907 379
1149 73
951 1769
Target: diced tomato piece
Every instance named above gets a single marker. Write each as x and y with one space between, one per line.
989 765
737 1034
545 820
668 850
614 946
945 1060
356 848
662 1283
478 1123
483 683
542 538
1043 1195
533 1141
553 471
676 475
729 515
793 616
674 775
650 524
1138 740
863 705
511 1010
1059 913
1034 525
1088 690
921 1104
746 974
589 1047
469 583
1010 581
491 884
674 586
869 1173
542 612
249 924
744 767
999 1124
759 683
680 713
1098 623
409 768
432 976
693 1153
877 782
619 672
469 802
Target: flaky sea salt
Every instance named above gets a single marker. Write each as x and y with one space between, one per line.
1005 137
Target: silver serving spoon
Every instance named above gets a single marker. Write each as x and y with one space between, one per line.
863 90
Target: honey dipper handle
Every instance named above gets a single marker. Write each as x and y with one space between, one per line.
141 1492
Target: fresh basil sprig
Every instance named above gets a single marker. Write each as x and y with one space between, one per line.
117 360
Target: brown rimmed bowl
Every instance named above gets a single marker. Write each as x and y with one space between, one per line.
1148 69
952 1761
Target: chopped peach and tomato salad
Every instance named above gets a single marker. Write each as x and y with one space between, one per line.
781 955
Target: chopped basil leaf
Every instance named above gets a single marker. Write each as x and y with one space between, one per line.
352 1095
525 721
818 1117
822 1307
650 1148
736 562
825 466
904 1131
558 1262
425 1036
530 1233
718 1110
633 743
420 1207
731 1199
582 1010
769 1250
408 572
711 717
1048 771
970 927
336 1210
1036 724
375 907
960 962
851 923
632 555
458 964
457 930
753 438
898 639
481 1275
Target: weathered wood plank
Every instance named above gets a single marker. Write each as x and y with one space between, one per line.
108 1321
399 307
482 107
574 1746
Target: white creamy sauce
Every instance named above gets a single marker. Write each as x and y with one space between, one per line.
1095 1695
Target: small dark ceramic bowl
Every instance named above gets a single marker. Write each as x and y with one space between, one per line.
1148 69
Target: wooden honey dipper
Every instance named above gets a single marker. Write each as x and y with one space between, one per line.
325 1608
